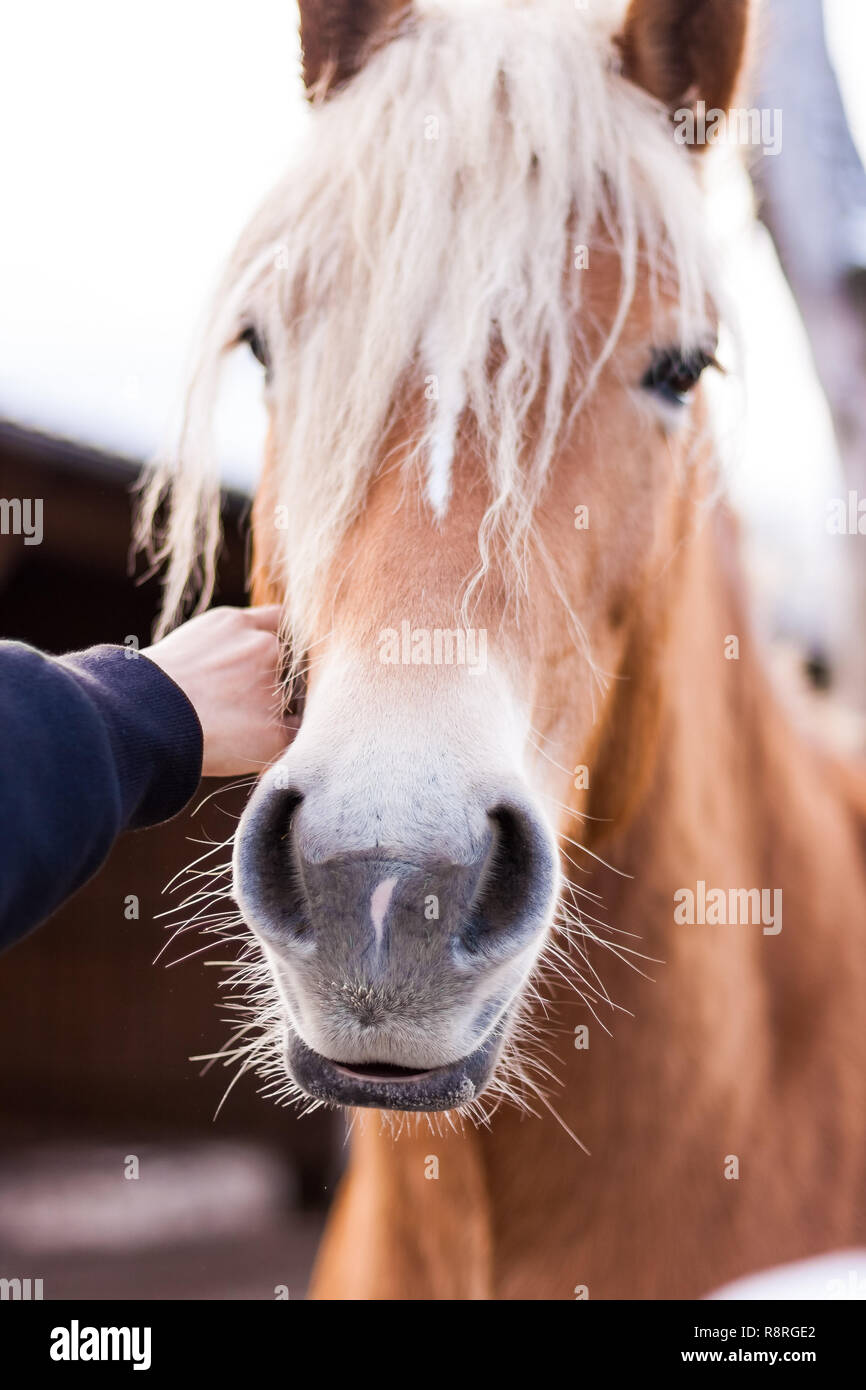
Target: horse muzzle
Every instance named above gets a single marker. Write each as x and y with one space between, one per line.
398 961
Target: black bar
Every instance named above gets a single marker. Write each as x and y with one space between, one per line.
242 1338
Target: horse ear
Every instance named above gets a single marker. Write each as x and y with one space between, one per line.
684 51
338 35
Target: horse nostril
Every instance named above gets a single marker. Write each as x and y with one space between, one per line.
516 884
268 873
507 881
288 810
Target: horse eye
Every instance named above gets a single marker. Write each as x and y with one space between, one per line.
257 346
674 373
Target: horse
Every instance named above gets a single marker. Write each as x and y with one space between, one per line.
554 893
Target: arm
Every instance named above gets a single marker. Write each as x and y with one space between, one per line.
101 741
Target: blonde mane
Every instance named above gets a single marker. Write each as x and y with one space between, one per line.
435 211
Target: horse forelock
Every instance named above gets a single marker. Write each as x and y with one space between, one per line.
436 217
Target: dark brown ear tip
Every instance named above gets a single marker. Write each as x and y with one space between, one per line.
673 48
338 36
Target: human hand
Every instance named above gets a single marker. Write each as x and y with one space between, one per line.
226 663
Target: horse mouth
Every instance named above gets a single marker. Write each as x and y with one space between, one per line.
383 1086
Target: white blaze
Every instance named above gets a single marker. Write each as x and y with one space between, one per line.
446 407
380 901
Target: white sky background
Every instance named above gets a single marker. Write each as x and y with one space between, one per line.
137 141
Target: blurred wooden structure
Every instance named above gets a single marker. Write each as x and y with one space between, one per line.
94 1038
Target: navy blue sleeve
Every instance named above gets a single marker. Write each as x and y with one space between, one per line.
90 744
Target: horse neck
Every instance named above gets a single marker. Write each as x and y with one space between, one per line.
731 797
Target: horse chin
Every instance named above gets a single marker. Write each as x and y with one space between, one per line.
382 1086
